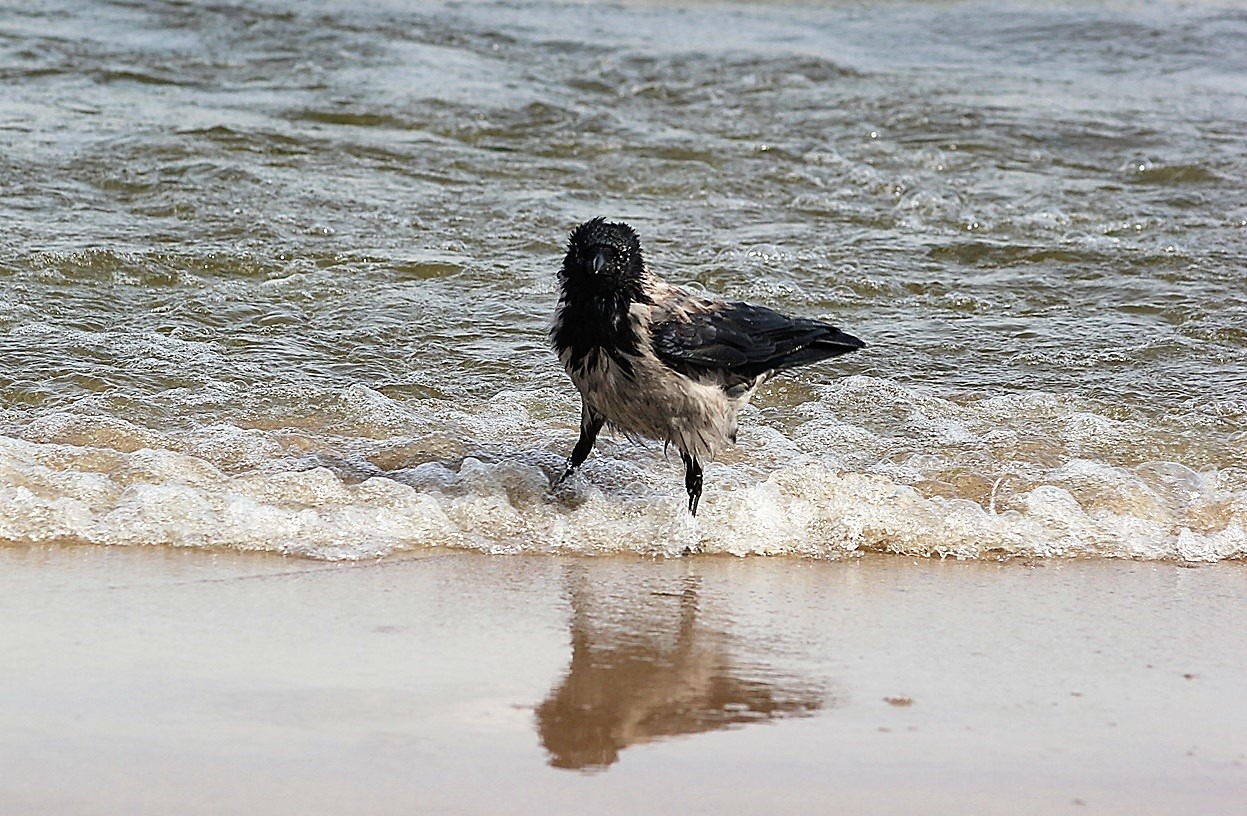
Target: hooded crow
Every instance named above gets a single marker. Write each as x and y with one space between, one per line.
659 361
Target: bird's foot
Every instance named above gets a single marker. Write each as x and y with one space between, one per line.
568 470
692 483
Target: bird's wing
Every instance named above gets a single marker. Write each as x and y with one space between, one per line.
745 340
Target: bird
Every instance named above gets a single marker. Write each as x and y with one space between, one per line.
655 360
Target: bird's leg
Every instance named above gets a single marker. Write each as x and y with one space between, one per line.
692 481
590 425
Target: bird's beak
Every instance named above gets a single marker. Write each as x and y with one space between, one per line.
599 262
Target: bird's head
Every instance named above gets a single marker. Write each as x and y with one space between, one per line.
604 257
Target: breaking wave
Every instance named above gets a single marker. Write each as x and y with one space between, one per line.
962 480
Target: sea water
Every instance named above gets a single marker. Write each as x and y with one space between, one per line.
277 275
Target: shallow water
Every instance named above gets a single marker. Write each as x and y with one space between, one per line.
276 276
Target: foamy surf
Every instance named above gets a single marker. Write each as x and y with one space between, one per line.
298 303
1032 476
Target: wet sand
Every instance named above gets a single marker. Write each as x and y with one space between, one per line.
155 681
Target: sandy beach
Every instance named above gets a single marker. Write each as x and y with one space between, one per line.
154 681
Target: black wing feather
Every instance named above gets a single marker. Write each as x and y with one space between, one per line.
747 341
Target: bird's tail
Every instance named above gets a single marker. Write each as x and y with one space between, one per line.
828 342
836 342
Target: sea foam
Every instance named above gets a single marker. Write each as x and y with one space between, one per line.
960 482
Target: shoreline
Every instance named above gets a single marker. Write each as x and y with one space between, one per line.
154 680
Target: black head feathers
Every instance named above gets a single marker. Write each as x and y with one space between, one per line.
605 256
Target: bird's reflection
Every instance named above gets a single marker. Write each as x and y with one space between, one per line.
644 668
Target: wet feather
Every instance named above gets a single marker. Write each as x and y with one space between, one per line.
655 360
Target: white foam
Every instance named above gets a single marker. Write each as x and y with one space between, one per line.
1002 477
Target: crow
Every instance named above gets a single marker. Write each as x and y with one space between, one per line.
660 361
